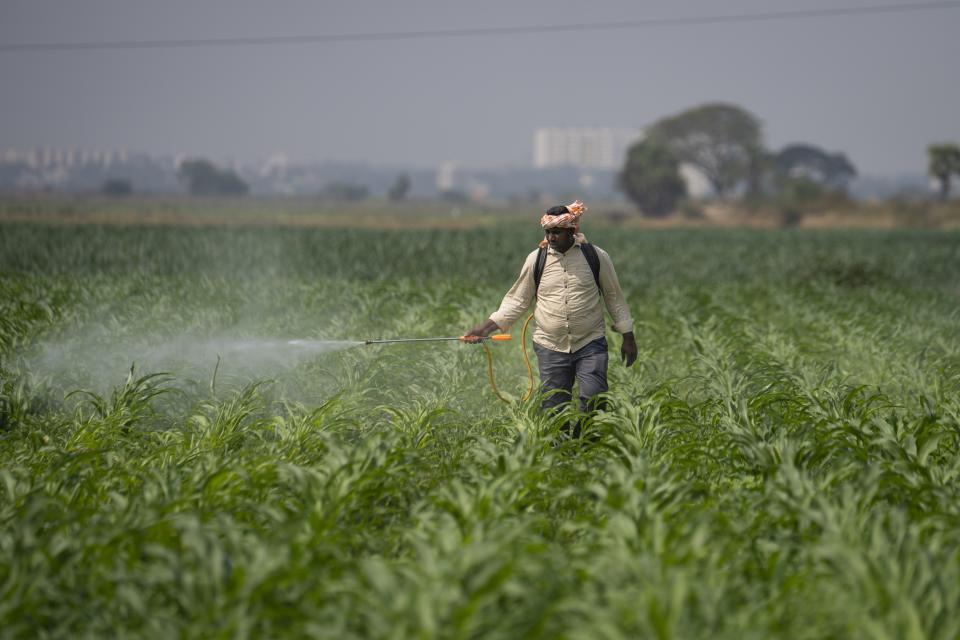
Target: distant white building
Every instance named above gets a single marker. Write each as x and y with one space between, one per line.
447 176
586 147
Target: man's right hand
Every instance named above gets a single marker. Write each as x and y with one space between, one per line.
482 330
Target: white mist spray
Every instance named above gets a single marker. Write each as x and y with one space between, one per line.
97 361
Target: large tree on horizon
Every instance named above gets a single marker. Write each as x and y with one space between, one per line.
723 141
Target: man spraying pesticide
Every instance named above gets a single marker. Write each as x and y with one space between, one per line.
571 281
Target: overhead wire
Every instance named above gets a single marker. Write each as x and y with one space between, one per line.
647 23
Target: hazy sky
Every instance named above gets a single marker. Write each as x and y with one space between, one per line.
878 87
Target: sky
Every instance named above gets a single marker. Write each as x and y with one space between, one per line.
878 87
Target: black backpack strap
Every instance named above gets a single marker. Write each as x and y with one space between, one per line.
590 253
538 268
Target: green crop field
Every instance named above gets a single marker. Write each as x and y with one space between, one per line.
782 461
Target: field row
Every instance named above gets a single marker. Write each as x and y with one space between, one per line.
783 460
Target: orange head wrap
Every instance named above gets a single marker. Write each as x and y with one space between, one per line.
568 220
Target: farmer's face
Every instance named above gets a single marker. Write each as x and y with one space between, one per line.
559 239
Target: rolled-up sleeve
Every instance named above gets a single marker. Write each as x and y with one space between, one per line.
613 295
518 298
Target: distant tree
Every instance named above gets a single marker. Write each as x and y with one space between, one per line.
722 141
830 170
203 178
344 192
116 187
400 188
11 173
651 178
453 196
232 184
944 163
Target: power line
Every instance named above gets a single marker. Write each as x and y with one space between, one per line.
650 23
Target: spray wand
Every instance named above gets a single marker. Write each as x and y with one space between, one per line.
502 337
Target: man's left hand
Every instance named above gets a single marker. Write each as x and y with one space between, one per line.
628 350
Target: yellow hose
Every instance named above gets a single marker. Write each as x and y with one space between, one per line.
493 382
526 360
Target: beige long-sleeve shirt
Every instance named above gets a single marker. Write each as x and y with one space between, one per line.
569 312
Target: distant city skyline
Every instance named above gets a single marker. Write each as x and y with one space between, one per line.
583 147
878 87
85 171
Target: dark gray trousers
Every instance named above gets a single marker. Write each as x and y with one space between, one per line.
558 370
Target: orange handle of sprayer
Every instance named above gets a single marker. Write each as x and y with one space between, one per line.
500 337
